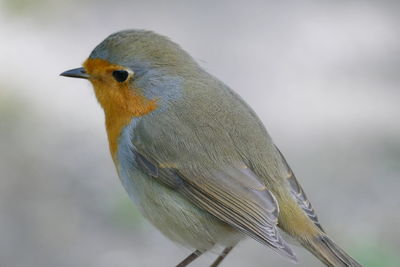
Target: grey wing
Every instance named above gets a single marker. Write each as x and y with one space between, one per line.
298 193
233 194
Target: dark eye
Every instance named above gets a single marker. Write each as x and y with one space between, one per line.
120 75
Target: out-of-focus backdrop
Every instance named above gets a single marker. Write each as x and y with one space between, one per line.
322 75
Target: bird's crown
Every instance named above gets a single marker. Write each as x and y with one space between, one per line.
140 49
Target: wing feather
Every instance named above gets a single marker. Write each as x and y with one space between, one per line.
232 194
299 194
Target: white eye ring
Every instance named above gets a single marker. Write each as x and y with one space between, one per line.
130 72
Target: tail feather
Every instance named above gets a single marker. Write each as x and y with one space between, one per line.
329 253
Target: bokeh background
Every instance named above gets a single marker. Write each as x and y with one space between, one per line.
322 75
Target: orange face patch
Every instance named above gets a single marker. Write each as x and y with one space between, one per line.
121 102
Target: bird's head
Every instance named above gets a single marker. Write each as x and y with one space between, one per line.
136 71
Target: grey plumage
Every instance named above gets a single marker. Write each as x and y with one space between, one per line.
202 167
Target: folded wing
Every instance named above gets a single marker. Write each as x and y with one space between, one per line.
231 193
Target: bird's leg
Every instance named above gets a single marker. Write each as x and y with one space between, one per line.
221 257
190 258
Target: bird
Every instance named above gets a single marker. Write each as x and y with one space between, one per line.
194 157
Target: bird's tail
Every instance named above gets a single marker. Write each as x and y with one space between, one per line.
328 252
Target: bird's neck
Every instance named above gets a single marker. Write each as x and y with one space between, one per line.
120 108
118 118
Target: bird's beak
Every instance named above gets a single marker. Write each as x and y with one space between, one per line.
76 73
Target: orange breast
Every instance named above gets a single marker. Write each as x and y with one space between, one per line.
121 102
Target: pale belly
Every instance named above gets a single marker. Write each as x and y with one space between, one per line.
175 216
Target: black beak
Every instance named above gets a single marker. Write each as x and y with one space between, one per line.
76 73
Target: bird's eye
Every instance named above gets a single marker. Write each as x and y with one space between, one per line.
120 75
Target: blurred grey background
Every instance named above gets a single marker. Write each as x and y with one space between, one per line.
323 76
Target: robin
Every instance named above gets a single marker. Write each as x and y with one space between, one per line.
193 156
